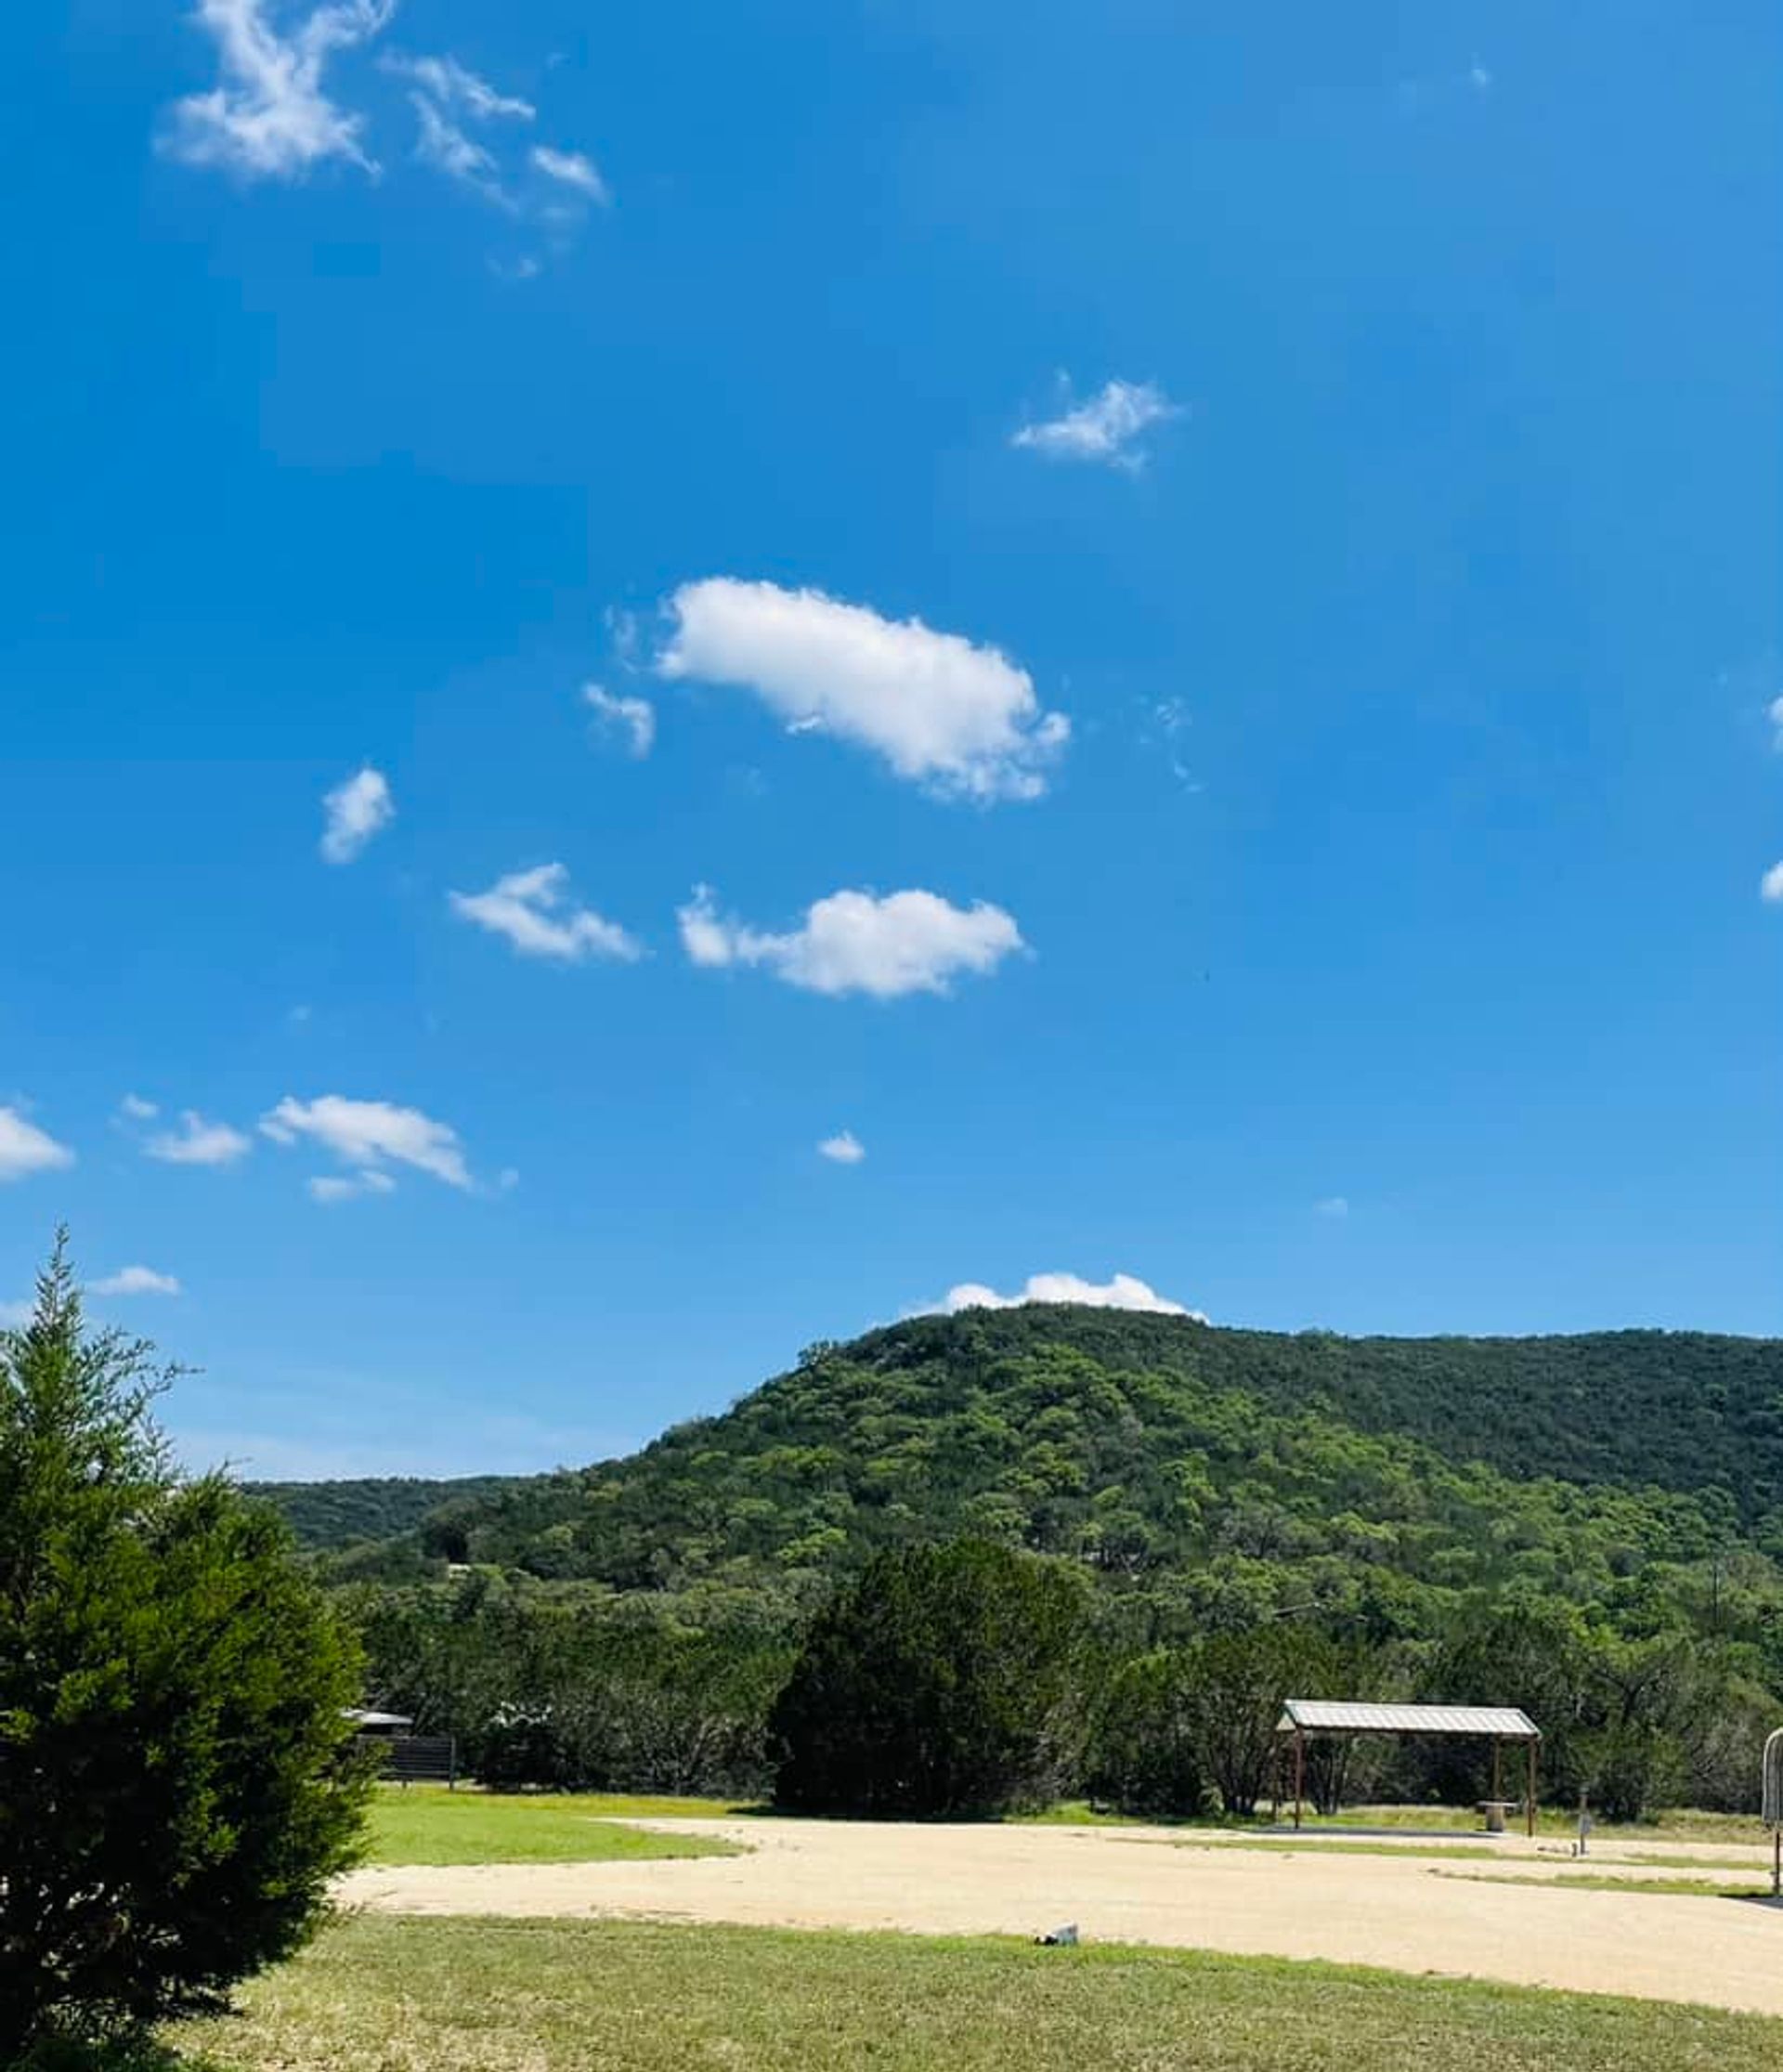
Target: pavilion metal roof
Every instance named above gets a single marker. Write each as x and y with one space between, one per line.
1320 1716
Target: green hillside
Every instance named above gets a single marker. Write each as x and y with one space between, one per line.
336 1515
1589 1526
1380 1478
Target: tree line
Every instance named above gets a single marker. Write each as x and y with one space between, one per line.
969 1677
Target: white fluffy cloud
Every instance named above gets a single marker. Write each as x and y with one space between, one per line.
337 1187
1774 712
25 1149
531 910
367 1135
137 1110
268 116
852 941
198 1143
353 813
942 711
635 718
1121 1293
573 169
843 1149
1107 428
134 1280
1770 886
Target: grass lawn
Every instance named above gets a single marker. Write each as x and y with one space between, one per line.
387 1994
419 1826
1608 1880
1681 1824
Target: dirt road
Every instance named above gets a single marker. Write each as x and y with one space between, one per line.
1403 1909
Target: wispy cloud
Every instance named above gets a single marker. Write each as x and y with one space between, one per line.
268 116
369 1135
843 1149
134 1280
852 941
572 169
198 1143
635 718
944 712
273 115
25 1149
1334 1207
136 1109
531 910
1770 887
445 147
353 813
1108 429
1774 712
1122 1291
329 1188
453 84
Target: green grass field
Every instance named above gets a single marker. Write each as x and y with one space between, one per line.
421 1827
394 1995
1610 1881
1681 1824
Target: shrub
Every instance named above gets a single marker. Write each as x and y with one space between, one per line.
175 1793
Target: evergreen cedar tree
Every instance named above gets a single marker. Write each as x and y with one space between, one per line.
940 1681
176 1790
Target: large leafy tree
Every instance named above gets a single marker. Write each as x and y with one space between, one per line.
174 1788
943 1681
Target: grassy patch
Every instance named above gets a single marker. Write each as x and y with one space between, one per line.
1682 1824
482 1995
473 1827
1602 1881
1462 1852
1448 1821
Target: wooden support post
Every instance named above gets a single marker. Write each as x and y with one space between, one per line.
1300 1772
1529 1824
1498 1751
1777 1863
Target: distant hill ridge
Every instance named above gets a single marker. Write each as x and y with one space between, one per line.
340 1514
1145 1444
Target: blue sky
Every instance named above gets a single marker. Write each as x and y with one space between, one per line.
1198 587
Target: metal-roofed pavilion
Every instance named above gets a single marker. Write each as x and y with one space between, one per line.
1497 1723
1320 1716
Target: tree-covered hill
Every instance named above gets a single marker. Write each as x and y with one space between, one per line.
1379 1478
336 1515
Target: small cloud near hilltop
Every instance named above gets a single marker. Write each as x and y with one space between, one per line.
1122 1292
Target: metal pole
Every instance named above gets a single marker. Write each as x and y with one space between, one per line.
1777 1863
1300 1772
1498 1750
1529 1827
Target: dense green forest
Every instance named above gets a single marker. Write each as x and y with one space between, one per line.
337 1515
1620 1494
